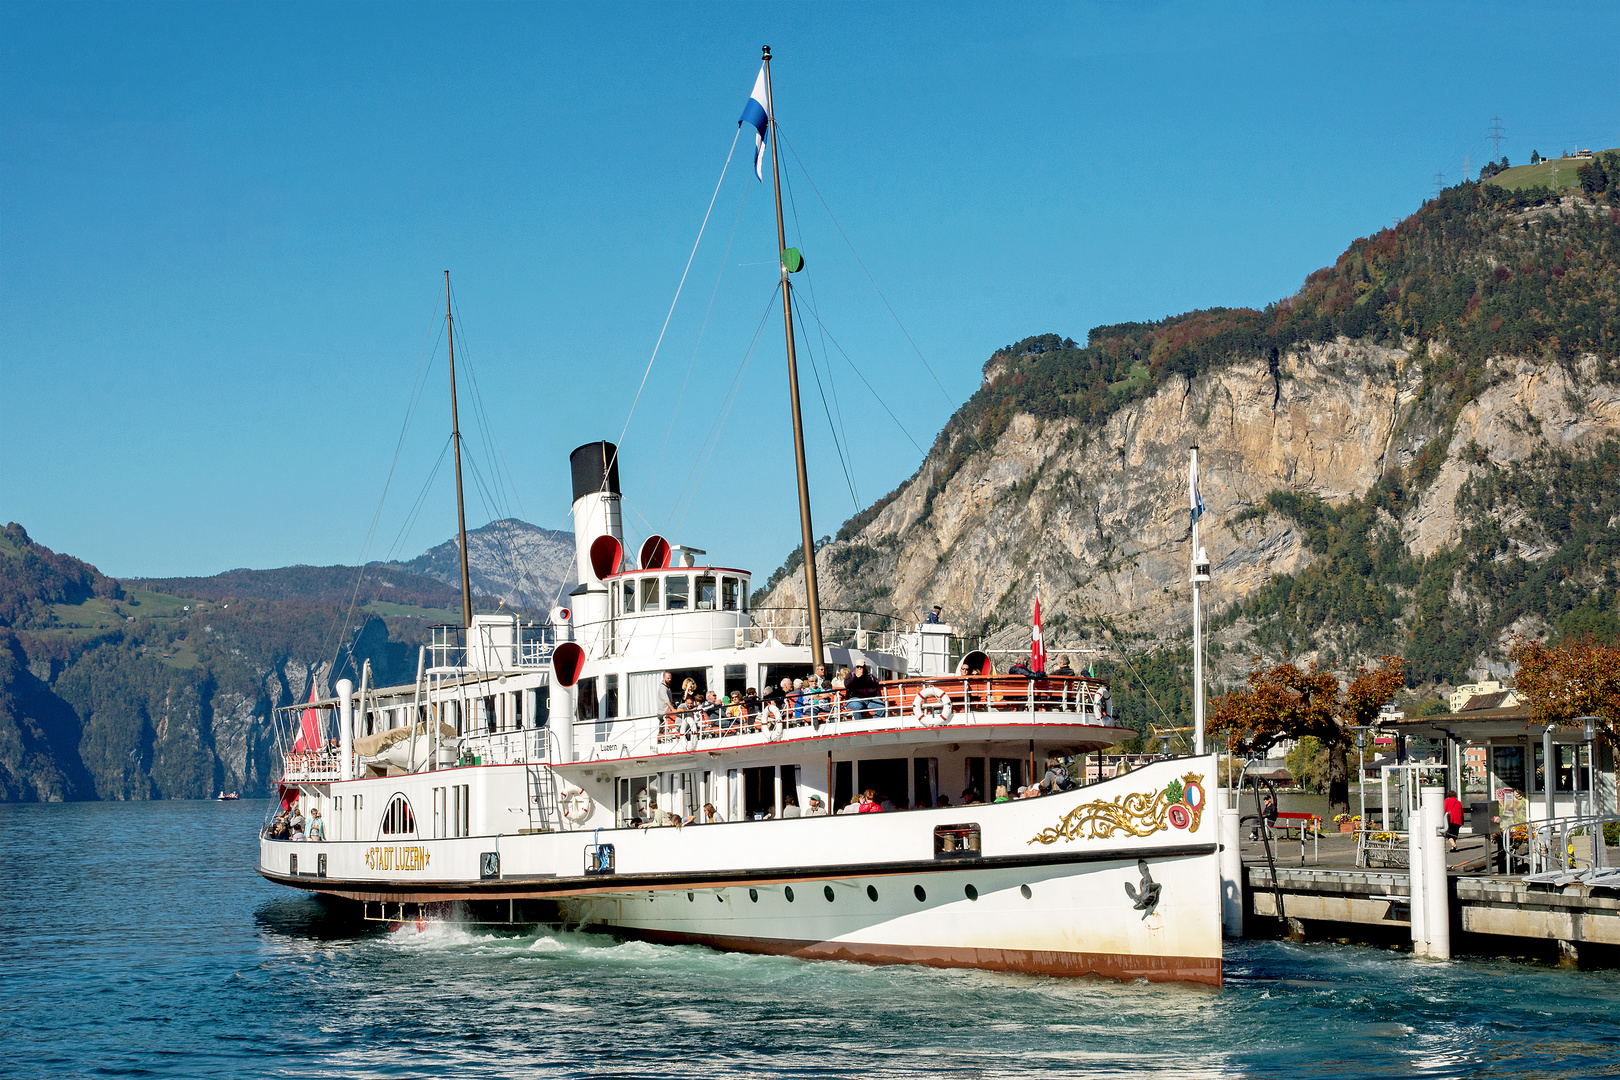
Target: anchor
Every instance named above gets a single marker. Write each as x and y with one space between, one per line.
1148 898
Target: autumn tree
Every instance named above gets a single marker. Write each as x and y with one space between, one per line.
1289 702
1574 678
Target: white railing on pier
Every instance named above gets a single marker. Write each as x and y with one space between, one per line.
1565 850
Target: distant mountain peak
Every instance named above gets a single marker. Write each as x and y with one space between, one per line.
508 559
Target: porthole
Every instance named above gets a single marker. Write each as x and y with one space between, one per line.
921 895
971 892
1025 890
788 892
753 894
826 890
691 896
871 893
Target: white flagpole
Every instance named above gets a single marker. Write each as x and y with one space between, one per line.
1200 574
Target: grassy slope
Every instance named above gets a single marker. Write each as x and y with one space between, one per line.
1559 173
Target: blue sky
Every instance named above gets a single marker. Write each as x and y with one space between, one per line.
223 230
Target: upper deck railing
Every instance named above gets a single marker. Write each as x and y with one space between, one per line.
495 645
977 700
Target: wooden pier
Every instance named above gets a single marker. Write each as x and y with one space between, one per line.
1324 895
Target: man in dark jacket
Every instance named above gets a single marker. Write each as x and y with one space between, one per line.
864 692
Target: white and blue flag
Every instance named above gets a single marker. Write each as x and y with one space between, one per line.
1192 485
758 113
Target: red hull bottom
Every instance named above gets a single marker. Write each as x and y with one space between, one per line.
1183 969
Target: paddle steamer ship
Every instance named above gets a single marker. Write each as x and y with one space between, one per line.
536 772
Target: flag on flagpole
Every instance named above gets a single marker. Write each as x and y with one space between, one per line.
1037 648
758 113
309 731
1192 490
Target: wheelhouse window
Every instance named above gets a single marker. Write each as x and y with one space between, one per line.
706 593
629 598
728 594
398 818
677 590
649 594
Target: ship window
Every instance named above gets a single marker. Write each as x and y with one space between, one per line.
649 594
517 709
728 593
398 817
629 598
677 589
736 679
743 589
706 593
491 721
587 699
610 698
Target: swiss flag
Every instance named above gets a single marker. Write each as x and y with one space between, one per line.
309 731
1037 647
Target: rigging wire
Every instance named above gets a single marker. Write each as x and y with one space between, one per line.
692 363
846 461
418 389
662 330
864 270
875 395
495 500
712 439
1126 657
843 460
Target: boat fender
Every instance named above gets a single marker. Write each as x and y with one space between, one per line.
931 706
576 805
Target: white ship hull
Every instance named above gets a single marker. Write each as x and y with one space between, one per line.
1055 885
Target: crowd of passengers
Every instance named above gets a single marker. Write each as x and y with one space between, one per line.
291 824
849 694
1057 778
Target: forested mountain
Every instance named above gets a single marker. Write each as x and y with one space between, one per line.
1417 452
163 688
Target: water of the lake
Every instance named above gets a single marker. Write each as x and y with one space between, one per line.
136 940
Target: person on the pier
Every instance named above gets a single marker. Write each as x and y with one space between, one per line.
864 693
1453 808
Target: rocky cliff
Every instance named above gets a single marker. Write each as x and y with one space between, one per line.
1408 410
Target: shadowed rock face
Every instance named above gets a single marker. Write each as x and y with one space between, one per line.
1100 511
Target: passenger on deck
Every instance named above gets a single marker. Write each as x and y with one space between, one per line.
295 825
790 807
667 690
687 713
751 705
736 714
657 818
1057 777
317 827
707 816
778 695
869 802
795 700
817 696
865 694
971 796
944 800
1063 667
815 808
711 710
1001 794
932 616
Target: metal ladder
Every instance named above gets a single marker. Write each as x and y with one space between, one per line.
543 816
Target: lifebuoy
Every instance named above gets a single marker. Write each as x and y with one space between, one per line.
576 805
931 706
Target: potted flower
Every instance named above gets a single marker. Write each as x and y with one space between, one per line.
1346 822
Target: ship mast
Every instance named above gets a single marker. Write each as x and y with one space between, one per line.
455 436
807 533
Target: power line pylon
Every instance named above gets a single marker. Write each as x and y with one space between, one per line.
1496 136
1439 184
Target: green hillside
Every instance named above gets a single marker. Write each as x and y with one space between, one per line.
1556 174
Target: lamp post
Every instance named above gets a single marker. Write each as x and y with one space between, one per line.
1589 733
